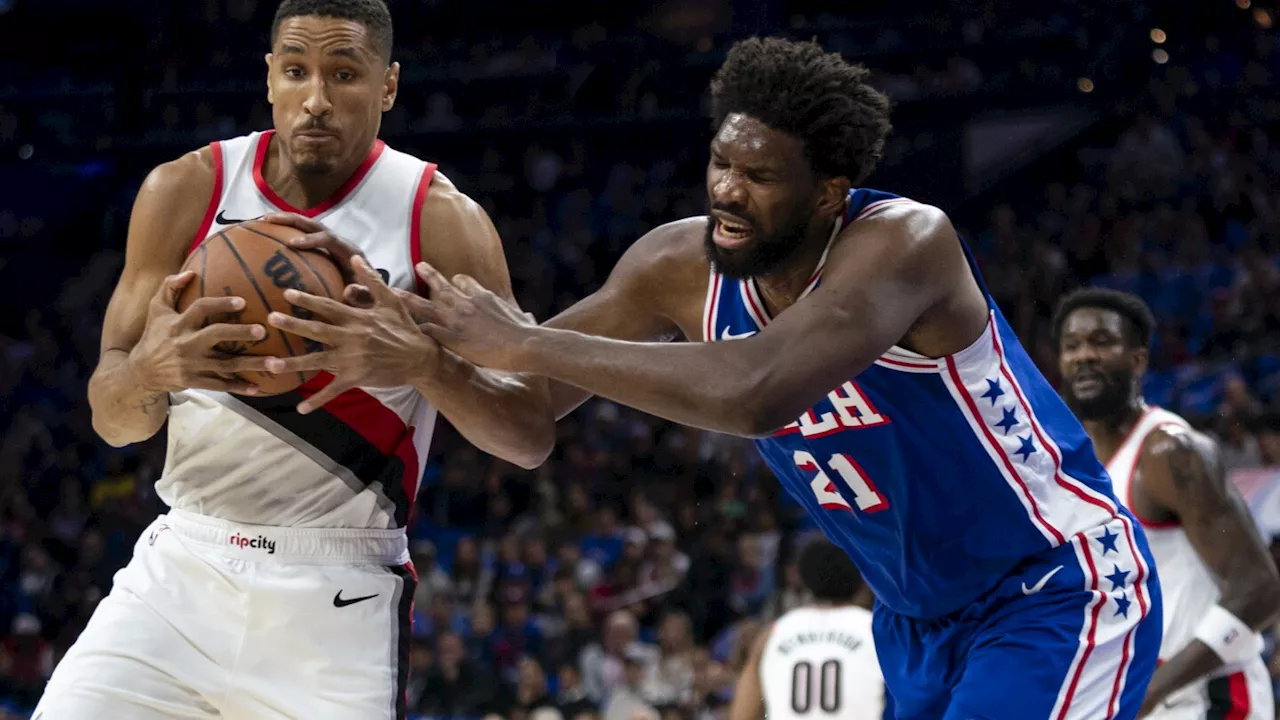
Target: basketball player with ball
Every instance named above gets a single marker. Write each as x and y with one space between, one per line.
278 584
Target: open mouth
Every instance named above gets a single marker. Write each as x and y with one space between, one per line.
731 232
1087 382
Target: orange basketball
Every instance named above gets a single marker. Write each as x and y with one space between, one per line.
252 260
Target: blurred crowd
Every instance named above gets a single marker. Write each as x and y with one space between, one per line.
628 575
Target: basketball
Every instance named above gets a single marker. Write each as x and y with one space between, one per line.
252 260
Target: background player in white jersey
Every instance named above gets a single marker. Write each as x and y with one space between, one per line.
816 661
1220 584
278 585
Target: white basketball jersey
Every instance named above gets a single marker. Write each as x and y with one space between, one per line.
821 663
354 463
1187 585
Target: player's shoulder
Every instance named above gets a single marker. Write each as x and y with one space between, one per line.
668 263
677 243
903 224
1175 444
191 173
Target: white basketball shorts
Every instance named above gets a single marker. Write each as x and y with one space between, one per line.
212 619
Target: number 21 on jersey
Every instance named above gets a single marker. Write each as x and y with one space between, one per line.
866 496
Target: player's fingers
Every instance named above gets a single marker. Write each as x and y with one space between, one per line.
439 333
167 294
244 363
321 332
322 360
357 295
198 312
441 290
294 220
229 332
420 309
335 388
331 309
367 276
468 285
223 384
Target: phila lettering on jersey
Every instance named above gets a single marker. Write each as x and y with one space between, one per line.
822 662
1189 590
937 475
355 463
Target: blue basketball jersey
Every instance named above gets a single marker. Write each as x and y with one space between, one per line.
937 476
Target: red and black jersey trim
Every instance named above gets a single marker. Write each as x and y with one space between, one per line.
356 432
404 634
1228 697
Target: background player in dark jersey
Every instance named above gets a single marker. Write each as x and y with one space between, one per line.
1220 584
979 542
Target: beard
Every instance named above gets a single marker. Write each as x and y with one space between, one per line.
1110 399
764 254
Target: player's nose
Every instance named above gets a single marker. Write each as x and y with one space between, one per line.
317 103
727 189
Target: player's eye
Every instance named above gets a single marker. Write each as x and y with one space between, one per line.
346 75
293 72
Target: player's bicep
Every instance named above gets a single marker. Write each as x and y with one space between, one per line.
459 238
1184 474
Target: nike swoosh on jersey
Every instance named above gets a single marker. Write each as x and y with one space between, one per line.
1040 585
340 602
726 335
224 220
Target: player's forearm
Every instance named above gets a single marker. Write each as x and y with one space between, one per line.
124 410
504 414
1193 662
698 384
1253 598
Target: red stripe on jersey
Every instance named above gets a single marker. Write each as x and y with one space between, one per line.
260 155
1239 697
215 200
376 423
415 225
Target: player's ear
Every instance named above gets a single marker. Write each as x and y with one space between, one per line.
268 58
390 86
1140 359
833 193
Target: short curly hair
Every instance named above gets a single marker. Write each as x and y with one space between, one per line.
1141 323
373 14
807 92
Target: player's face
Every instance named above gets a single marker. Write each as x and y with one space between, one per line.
328 87
1097 363
762 193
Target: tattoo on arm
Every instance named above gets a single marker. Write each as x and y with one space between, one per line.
147 403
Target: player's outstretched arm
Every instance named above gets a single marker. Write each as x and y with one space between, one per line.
1181 471
878 283
148 348
748 695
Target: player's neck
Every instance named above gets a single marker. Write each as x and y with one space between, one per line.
833 604
1108 433
304 190
782 287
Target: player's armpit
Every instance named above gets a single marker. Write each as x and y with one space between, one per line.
167 214
1180 470
505 414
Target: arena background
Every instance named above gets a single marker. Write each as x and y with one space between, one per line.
1120 143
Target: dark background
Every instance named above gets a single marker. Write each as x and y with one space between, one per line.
1068 144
